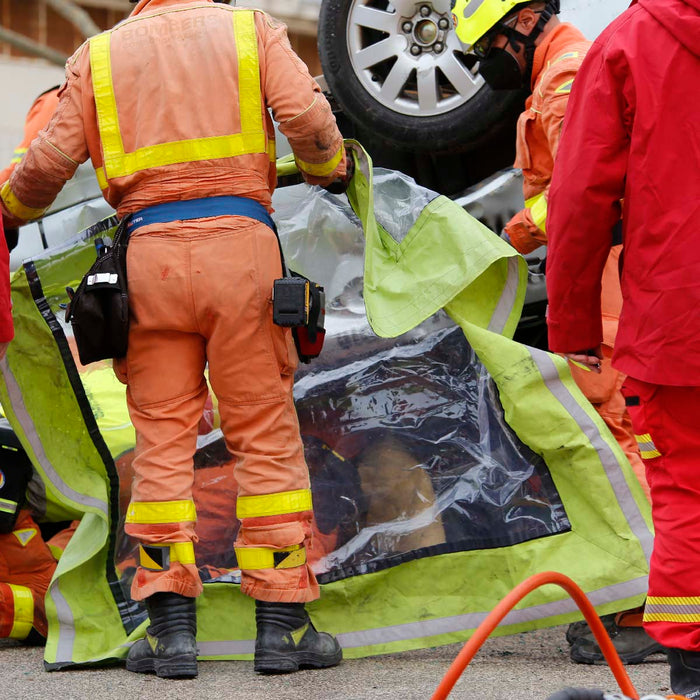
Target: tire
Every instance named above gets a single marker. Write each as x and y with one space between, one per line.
371 73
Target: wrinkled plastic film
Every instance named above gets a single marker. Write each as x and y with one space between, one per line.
405 439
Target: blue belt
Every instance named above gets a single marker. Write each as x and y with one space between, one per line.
200 209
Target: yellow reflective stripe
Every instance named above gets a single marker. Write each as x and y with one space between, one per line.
673 600
101 178
248 72
321 169
182 552
16 208
7 506
670 617
24 612
57 552
20 151
264 558
252 139
272 150
274 504
16 160
565 88
538 210
105 100
161 512
647 448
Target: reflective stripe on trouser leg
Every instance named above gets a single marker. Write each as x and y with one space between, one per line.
16 611
163 566
664 420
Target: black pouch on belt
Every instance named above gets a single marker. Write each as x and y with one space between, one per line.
299 303
98 309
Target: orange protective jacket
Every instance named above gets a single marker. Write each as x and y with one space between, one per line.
556 62
37 118
219 139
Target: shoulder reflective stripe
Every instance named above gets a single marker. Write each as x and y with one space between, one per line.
158 557
274 504
7 506
24 611
248 72
161 512
15 207
321 169
263 558
252 138
538 210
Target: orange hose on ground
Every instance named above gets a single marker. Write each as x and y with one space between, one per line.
508 603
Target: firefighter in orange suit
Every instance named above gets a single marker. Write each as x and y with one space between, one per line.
172 107
37 118
27 563
556 60
527 45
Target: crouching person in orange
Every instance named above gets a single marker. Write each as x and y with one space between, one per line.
187 148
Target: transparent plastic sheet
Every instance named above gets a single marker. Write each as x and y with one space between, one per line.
405 439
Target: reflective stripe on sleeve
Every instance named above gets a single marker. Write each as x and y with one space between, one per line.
647 448
274 504
263 558
16 208
321 169
252 138
24 611
161 512
538 210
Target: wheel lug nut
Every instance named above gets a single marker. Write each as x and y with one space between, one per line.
443 23
437 47
425 10
415 49
407 27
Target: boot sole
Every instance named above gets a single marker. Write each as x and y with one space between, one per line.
177 667
294 661
581 656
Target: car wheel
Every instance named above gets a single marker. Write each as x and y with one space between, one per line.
397 68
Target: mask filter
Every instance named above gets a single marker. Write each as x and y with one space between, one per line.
501 70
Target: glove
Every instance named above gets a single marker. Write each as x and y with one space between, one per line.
339 185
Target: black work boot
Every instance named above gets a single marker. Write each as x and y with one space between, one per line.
685 672
580 628
633 645
287 640
169 649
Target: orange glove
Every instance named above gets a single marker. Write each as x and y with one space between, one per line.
525 236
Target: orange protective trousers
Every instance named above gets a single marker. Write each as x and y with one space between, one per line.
201 292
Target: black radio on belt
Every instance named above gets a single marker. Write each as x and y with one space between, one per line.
300 304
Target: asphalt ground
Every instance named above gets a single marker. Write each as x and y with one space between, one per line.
528 666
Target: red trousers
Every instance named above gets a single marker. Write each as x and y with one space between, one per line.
200 295
665 420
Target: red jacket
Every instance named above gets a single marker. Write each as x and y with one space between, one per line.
7 331
631 133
